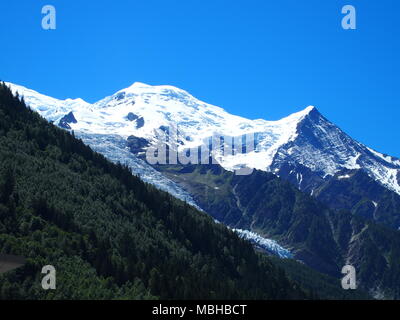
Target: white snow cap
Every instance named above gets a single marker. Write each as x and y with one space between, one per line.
140 109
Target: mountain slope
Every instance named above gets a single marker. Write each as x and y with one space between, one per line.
107 142
322 238
322 150
108 234
304 148
355 191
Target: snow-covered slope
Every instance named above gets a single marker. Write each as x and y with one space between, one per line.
303 147
322 150
50 108
112 146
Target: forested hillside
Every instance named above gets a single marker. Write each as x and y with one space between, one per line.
109 235
323 238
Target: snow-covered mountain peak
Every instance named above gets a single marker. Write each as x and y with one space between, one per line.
137 84
32 94
321 149
304 140
294 119
310 108
302 113
140 88
77 100
50 108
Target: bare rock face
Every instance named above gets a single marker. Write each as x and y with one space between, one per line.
139 123
66 120
398 177
137 145
131 116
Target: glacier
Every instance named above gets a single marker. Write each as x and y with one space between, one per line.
267 244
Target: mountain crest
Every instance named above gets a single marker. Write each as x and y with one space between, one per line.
305 145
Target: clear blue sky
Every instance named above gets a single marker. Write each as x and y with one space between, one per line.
258 59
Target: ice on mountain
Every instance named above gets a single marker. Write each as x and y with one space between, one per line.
267 244
114 148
